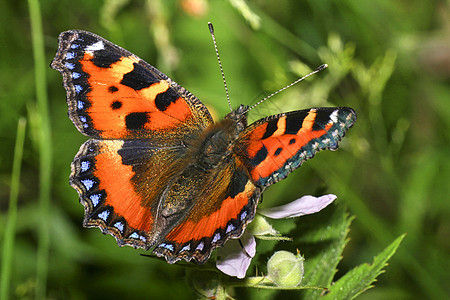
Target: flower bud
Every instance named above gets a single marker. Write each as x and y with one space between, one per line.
285 269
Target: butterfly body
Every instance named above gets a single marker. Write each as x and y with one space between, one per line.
157 172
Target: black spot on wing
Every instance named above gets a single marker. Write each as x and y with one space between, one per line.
260 156
292 141
104 59
139 78
112 89
163 100
294 122
278 151
322 119
136 121
134 152
237 184
116 105
270 129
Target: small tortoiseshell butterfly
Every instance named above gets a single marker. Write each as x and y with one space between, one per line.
157 171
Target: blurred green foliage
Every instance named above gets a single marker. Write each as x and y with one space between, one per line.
389 60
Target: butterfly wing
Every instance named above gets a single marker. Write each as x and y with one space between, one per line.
273 147
138 119
113 94
119 183
223 207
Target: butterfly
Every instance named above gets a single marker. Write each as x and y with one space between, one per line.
157 172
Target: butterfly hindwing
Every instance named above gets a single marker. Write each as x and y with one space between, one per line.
113 178
113 94
273 147
224 206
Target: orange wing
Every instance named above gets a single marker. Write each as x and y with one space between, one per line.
224 205
120 183
139 120
273 147
113 94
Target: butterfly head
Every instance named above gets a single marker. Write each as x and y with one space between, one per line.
239 117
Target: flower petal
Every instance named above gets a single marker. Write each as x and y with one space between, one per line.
304 206
234 260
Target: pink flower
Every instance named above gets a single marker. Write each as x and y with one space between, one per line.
234 260
304 206
235 257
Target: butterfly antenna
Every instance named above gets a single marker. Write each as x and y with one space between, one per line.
211 30
318 69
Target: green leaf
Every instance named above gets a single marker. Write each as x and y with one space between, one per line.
360 278
328 231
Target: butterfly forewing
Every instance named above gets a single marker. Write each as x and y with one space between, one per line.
273 147
113 94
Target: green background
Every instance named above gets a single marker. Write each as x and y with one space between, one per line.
389 60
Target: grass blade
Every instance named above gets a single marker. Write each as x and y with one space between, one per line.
10 230
45 147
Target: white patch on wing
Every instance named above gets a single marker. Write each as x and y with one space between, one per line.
96 46
334 116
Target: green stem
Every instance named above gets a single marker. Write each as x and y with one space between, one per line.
285 36
45 147
10 230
